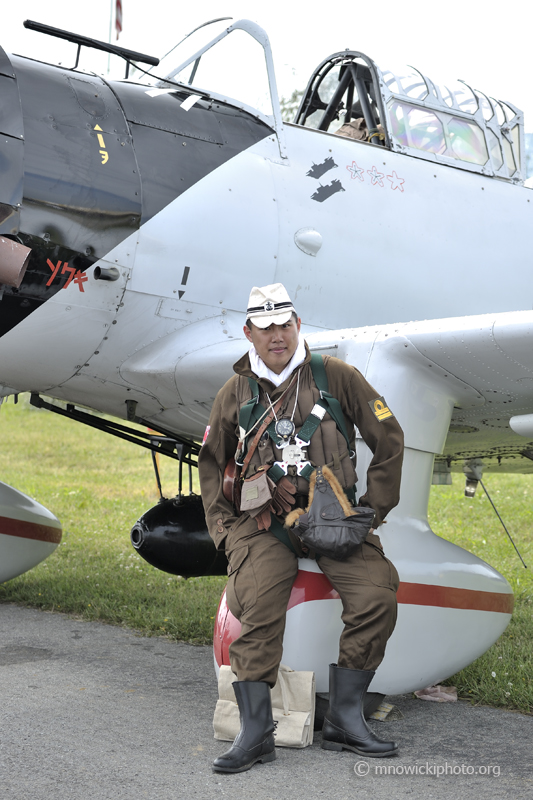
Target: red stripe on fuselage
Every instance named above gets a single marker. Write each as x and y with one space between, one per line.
29 530
422 594
315 586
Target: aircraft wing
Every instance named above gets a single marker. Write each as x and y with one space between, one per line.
458 386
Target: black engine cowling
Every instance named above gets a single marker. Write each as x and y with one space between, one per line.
172 536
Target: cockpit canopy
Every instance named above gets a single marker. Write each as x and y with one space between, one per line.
351 96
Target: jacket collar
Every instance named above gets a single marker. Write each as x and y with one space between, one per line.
242 367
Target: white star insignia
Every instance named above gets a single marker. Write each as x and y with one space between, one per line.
395 181
376 177
357 172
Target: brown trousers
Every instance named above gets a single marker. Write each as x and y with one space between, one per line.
262 571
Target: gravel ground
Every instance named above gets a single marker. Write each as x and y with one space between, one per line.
94 712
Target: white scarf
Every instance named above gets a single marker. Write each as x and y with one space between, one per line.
262 371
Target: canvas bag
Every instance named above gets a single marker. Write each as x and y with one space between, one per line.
293 707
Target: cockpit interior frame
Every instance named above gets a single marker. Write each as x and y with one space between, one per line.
460 127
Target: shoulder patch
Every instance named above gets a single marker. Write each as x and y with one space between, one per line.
206 434
380 409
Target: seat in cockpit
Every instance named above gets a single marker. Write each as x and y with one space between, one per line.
357 128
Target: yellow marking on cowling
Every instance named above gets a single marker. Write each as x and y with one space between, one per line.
103 151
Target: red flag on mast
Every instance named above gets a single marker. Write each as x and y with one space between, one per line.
118 17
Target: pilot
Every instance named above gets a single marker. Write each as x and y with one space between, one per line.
279 380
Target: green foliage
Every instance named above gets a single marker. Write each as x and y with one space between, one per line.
502 676
98 486
289 106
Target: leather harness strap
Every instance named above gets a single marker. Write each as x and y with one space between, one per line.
255 441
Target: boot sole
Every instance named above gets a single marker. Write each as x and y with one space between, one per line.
264 759
337 747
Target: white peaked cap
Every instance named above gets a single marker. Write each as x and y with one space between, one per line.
269 305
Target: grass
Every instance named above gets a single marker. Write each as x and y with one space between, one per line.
98 486
502 676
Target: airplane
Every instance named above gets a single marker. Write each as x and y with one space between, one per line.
136 215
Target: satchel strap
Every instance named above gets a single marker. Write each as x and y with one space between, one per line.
255 442
280 532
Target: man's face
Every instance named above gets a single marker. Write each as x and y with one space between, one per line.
276 344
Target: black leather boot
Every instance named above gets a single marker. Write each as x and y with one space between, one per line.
254 741
344 726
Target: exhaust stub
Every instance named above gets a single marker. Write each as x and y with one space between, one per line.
14 259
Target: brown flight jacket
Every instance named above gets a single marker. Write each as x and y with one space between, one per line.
328 446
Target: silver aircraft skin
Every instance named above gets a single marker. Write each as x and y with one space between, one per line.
427 221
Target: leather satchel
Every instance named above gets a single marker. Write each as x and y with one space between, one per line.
330 525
